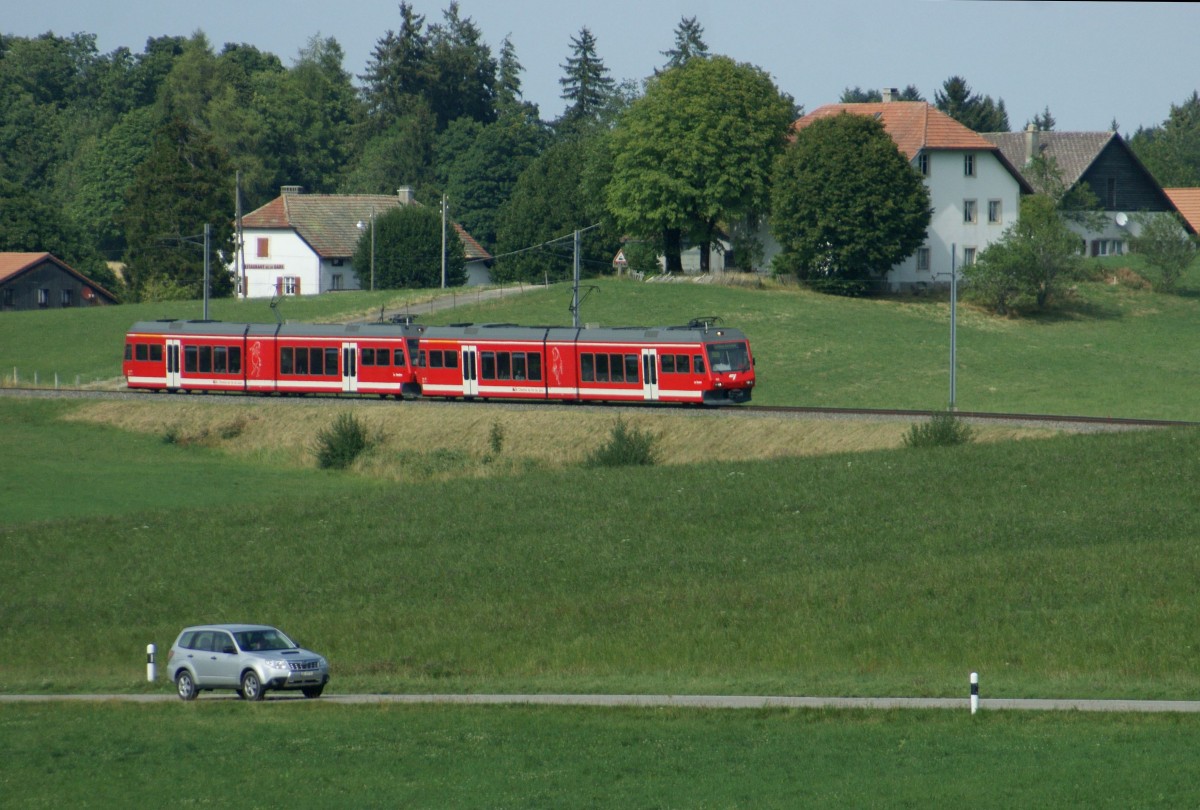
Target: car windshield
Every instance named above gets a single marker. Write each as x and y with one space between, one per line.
728 357
264 640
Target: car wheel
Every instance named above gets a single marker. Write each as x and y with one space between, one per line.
185 686
313 691
252 688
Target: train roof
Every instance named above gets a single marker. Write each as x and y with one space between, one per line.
598 334
230 328
690 333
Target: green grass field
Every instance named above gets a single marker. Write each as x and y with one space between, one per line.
223 753
1111 351
1061 566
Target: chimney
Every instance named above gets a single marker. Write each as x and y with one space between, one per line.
291 189
1031 143
889 94
406 195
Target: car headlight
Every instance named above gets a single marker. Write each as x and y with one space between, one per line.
279 665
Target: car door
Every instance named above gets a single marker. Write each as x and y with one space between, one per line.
226 660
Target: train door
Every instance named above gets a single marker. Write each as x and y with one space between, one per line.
470 370
349 367
649 374
173 376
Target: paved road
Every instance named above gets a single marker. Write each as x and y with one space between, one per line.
689 701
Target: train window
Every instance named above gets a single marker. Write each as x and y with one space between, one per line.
156 353
301 361
518 366
331 361
235 359
681 364
602 368
414 351
317 362
451 358
368 357
382 357
698 363
534 363
729 357
285 361
421 359
398 357
206 359
128 351
503 365
143 351
220 360
435 359
587 371
616 368
487 365
190 359
667 363
631 368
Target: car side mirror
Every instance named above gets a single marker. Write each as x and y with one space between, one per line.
229 649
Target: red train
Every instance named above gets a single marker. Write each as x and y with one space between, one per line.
699 363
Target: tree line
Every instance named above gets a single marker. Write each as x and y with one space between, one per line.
125 156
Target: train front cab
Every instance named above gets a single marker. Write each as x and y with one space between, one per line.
730 378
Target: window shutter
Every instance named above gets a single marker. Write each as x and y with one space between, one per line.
297 285
279 285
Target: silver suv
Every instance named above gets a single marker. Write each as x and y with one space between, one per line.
249 658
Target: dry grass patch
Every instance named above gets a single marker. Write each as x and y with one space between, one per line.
448 440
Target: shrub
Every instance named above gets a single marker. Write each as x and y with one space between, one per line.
495 442
341 443
626 447
943 429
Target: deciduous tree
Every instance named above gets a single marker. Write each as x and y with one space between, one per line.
1166 246
846 205
1030 262
695 151
408 250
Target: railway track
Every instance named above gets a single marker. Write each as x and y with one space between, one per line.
1076 422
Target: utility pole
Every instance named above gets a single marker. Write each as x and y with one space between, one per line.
207 240
953 321
443 241
575 295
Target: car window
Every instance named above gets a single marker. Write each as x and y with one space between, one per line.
222 642
187 640
202 640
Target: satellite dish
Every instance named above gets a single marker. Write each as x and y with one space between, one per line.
1122 219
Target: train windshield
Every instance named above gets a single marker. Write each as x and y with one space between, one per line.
728 357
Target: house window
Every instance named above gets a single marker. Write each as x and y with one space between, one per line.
68 297
994 212
923 258
263 247
968 165
968 256
970 214
287 285
43 297
1107 247
8 296
923 163
335 282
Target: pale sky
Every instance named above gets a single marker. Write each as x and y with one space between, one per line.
1090 62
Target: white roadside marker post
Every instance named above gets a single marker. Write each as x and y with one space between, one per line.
150 650
974 692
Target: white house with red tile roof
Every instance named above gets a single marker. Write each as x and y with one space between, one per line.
302 244
974 191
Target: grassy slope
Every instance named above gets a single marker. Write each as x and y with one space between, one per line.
1114 352
889 572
